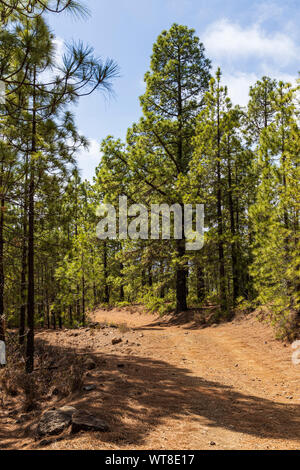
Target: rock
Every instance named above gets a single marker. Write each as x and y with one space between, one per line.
55 422
89 388
48 442
55 391
90 364
68 410
213 443
45 443
116 341
82 421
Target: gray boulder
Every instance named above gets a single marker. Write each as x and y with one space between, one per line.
82 421
54 422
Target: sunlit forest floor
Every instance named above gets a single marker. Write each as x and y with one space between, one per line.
174 385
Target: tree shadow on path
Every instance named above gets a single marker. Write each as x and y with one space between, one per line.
136 394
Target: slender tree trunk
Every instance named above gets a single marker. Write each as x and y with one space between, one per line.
150 278
54 320
30 292
200 284
71 315
95 294
222 280
181 274
181 280
2 318
83 299
122 295
48 310
78 301
106 288
162 290
234 257
60 325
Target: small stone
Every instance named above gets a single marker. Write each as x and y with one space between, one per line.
90 364
45 443
68 410
115 341
89 388
85 422
55 422
213 443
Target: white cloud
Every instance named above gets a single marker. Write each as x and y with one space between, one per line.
59 50
238 84
268 10
225 40
89 159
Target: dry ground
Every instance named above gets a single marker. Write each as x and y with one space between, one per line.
178 386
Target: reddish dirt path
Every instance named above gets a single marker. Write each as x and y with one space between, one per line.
239 388
170 386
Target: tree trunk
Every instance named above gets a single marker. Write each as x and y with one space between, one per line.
30 292
150 278
200 284
181 273
181 280
122 295
2 318
222 280
106 288
60 325
83 300
71 315
234 257
54 320
48 311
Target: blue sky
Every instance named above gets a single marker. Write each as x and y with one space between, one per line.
247 38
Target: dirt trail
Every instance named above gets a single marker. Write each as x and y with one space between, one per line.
237 386
169 386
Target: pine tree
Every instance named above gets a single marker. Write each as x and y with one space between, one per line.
275 214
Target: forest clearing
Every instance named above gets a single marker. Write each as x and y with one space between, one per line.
149 227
